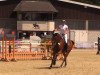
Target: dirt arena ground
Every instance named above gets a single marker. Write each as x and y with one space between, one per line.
80 62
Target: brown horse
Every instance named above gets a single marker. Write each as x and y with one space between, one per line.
58 46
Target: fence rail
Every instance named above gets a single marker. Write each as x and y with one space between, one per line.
39 52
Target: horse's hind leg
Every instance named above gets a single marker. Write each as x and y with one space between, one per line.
62 63
64 60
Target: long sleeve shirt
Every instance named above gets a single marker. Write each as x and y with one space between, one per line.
63 29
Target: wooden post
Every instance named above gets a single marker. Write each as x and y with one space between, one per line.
9 48
2 46
13 42
45 51
6 49
30 47
98 51
69 34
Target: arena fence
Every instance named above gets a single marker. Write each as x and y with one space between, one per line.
13 50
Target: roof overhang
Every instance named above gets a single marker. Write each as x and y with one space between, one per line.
2 0
35 6
82 4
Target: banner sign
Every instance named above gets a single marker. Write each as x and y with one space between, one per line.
35 26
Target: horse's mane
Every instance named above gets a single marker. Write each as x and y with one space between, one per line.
56 36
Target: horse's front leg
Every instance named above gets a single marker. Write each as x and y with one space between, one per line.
53 61
51 64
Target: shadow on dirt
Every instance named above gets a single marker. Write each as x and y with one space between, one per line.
46 67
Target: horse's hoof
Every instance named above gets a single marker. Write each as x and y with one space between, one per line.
60 67
49 67
64 66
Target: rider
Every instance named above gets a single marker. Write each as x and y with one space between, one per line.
64 32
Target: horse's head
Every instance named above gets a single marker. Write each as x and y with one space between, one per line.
57 42
56 37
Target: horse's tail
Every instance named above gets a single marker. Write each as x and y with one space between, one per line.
73 42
